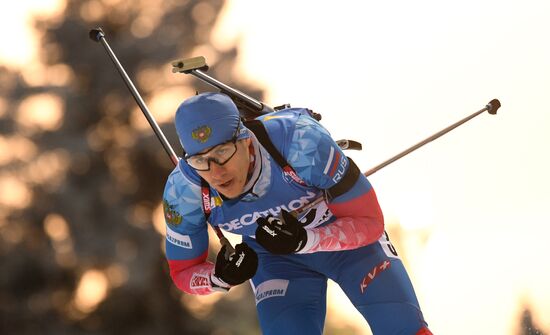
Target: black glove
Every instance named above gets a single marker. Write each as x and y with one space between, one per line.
281 236
240 266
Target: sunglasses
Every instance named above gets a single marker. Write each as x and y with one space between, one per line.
220 154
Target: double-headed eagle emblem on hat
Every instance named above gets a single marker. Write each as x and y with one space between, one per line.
201 134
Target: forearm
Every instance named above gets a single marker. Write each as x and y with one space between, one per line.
359 222
192 276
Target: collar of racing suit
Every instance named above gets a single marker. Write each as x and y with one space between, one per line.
260 176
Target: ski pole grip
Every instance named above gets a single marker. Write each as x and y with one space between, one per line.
229 250
493 106
96 34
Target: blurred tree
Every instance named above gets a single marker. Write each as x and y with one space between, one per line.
82 178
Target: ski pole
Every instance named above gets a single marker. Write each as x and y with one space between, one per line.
98 35
491 107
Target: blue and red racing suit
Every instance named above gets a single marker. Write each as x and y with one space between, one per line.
346 239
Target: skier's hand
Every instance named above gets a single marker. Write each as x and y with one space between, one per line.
281 236
240 267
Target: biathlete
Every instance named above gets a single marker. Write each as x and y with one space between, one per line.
259 179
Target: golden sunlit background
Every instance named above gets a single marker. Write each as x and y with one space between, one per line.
81 174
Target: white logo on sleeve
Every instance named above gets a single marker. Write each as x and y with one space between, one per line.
177 239
271 288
